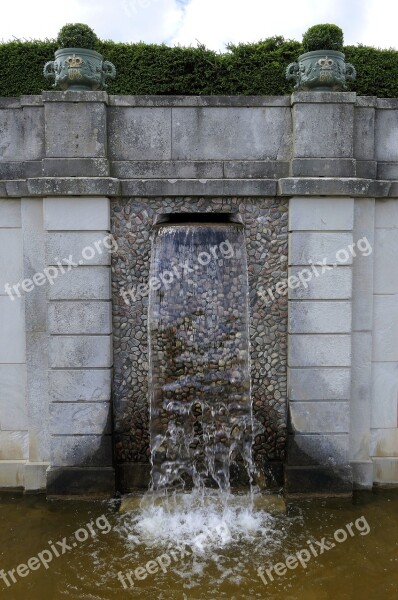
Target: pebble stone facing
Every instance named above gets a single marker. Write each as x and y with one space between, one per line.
265 221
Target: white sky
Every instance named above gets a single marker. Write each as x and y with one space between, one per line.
211 22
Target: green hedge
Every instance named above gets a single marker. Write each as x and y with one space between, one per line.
244 69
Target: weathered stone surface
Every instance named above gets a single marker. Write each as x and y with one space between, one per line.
384 395
13 405
319 317
366 169
364 133
167 169
318 480
10 213
140 134
190 101
361 394
363 271
81 450
12 330
64 186
334 186
385 261
318 214
323 167
76 214
320 417
320 351
385 470
80 418
12 474
11 258
258 169
37 396
319 384
385 328
305 248
80 317
81 283
34 136
318 449
386 133
331 285
387 170
231 133
199 187
33 263
323 98
14 445
318 132
387 213
12 170
384 442
71 96
74 385
12 134
35 476
75 130
75 167
86 248
80 351
362 475
98 482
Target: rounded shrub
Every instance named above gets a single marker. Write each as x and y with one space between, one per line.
77 35
323 37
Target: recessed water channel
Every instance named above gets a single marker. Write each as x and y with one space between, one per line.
200 403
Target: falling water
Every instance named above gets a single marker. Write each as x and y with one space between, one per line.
200 403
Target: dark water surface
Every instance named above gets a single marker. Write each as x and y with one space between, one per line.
223 565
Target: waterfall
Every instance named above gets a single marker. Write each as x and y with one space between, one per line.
199 383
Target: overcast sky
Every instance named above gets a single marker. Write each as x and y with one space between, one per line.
210 22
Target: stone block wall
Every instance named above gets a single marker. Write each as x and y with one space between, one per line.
75 167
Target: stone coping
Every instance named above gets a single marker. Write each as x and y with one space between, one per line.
200 101
110 186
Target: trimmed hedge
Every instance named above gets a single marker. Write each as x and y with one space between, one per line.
244 69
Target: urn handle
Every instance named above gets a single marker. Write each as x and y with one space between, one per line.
108 69
49 70
292 71
350 72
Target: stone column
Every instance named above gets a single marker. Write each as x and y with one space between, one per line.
319 363
75 134
14 435
36 343
323 134
362 339
80 345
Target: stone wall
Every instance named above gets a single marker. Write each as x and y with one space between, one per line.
69 159
265 221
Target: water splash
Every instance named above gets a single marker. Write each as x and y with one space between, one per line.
201 421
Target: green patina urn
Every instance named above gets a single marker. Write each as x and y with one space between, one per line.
79 69
321 70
